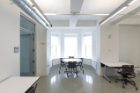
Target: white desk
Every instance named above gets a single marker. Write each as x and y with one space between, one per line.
17 84
114 65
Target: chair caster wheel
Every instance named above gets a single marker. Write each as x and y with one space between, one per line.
116 81
136 88
123 87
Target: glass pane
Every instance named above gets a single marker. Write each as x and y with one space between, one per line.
54 45
88 46
87 40
25 55
54 40
88 51
70 46
53 51
26 24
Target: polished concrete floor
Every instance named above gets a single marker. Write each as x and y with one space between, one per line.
89 82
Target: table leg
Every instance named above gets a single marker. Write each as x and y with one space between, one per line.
105 74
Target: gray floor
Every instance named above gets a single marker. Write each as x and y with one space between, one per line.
89 82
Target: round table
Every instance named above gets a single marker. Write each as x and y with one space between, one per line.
71 60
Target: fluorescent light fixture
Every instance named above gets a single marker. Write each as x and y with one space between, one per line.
114 14
49 13
132 2
74 14
29 1
41 15
101 14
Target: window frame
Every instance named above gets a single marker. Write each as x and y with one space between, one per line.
57 46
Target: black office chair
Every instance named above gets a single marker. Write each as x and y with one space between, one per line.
127 72
72 68
63 64
81 64
71 56
32 89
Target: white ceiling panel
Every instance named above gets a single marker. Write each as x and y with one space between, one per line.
76 6
100 6
87 17
81 23
54 6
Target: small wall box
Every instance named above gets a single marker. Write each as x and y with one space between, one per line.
16 49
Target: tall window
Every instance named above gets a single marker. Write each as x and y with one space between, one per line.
70 45
54 46
87 45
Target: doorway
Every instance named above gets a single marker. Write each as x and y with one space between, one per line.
27 51
26 55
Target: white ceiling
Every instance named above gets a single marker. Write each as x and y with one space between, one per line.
54 6
88 7
100 6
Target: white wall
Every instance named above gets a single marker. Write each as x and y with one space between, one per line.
129 38
49 61
139 47
98 44
9 38
41 65
131 21
109 47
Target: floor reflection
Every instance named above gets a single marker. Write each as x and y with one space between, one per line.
53 79
89 79
89 82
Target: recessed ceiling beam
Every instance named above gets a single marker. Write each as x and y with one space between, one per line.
73 21
131 13
76 6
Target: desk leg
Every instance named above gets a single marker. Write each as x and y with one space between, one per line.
105 73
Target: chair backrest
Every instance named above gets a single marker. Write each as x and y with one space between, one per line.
71 56
82 59
61 61
128 69
35 88
72 64
32 89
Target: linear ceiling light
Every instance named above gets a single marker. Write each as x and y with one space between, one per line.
101 14
41 15
118 10
114 15
74 14
50 14
29 1
132 2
